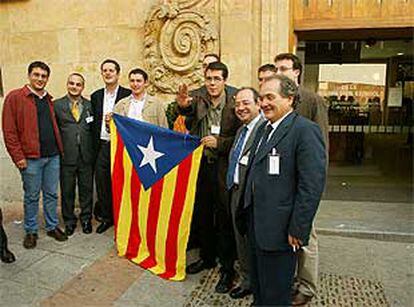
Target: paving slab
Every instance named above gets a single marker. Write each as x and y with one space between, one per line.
14 294
371 220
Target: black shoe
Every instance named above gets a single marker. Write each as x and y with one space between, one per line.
70 229
30 240
240 292
7 256
57 234
104 227
87 227
198 266
225 283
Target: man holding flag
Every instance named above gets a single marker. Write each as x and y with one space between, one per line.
214 121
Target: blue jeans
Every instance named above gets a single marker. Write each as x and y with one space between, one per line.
40 174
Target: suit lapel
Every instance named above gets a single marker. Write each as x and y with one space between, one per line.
251 138
277 136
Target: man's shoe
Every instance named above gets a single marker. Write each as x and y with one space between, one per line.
30 240
87 227
7 256
240 292
104 227
57 234
198 266
301 299
70 229
225 283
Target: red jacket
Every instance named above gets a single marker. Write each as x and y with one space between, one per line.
20 127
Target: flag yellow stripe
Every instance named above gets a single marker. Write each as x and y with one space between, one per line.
167 199
185 222
144 199
125 210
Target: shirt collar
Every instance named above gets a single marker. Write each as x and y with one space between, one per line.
251 125
277 123
31 91
133 99
114 93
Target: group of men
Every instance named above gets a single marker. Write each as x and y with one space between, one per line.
68 141
260 181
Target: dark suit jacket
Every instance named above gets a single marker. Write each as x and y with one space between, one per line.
236 205
246 149
71 131
286 203
97 98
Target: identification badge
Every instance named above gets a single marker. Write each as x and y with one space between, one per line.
89 119
215 129
244 160
274 163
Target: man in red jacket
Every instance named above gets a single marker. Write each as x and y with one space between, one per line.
32 139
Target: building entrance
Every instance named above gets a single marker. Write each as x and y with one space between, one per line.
369 87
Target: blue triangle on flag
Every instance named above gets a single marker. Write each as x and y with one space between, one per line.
153 150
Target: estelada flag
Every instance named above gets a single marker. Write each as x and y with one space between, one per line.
154 174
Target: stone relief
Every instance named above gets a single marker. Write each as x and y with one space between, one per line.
176 38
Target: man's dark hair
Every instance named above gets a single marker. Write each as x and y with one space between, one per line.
117 67
77 74
140 72
297 64
38 64
255 93
214 55
219 66
267 67
287 88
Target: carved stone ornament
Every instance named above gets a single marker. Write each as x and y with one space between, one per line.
176 39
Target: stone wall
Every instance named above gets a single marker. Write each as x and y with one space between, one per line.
75 35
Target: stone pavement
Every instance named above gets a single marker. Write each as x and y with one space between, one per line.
85 271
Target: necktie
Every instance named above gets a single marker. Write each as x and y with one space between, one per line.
234 159
75 110
265 137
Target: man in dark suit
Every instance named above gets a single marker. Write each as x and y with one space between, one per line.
214 121
313 107
74 117
103 102
285 180
247 110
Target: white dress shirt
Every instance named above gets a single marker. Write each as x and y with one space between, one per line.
135 107
108 106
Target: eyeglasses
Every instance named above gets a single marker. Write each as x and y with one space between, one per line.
283 68
215 79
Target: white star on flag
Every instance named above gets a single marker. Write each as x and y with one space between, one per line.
150 155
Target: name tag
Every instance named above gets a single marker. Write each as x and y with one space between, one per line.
244 160
89 119
215 129
273 163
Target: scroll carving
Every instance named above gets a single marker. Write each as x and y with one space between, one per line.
176 39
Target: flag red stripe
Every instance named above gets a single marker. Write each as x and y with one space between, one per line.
117 180
134 237
153 215
183 176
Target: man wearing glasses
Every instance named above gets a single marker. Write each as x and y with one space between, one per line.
311 106
215 122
